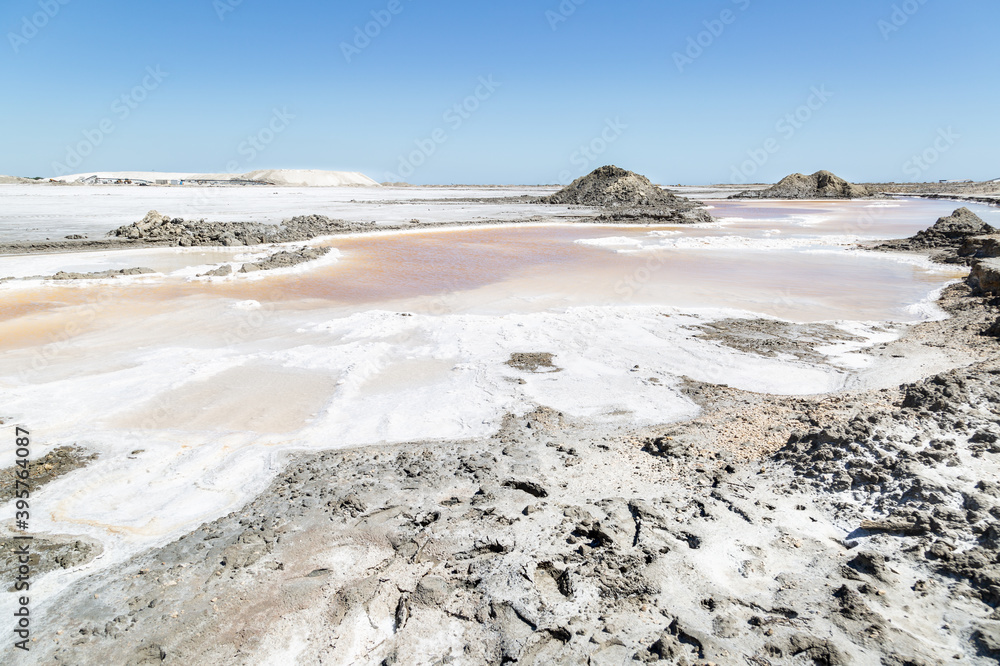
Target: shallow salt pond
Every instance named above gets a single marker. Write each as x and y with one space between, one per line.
192 390
777 258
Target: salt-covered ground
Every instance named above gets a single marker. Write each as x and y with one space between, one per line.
34 212
194 390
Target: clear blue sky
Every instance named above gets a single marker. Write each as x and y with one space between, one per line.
609 68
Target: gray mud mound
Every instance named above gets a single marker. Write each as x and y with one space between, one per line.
628 196
281 260
820 185
157 228
101 275
962 236
612 186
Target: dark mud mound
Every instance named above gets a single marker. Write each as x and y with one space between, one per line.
962 237
612 186
285 259
628 196
820 185
951 231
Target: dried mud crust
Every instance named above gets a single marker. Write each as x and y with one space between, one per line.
48 553
766 337
285 259
46 469
533 362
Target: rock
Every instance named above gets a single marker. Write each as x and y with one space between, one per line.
665 447
960 235
994 329
62 275
285 259
221 271
936 394
530 487
431 591
820 185
980 247
870 564
985 276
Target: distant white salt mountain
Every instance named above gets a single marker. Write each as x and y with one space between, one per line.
279 177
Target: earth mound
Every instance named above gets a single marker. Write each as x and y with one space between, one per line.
612 186
962 237
157 228
957 227
628 196
820 185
